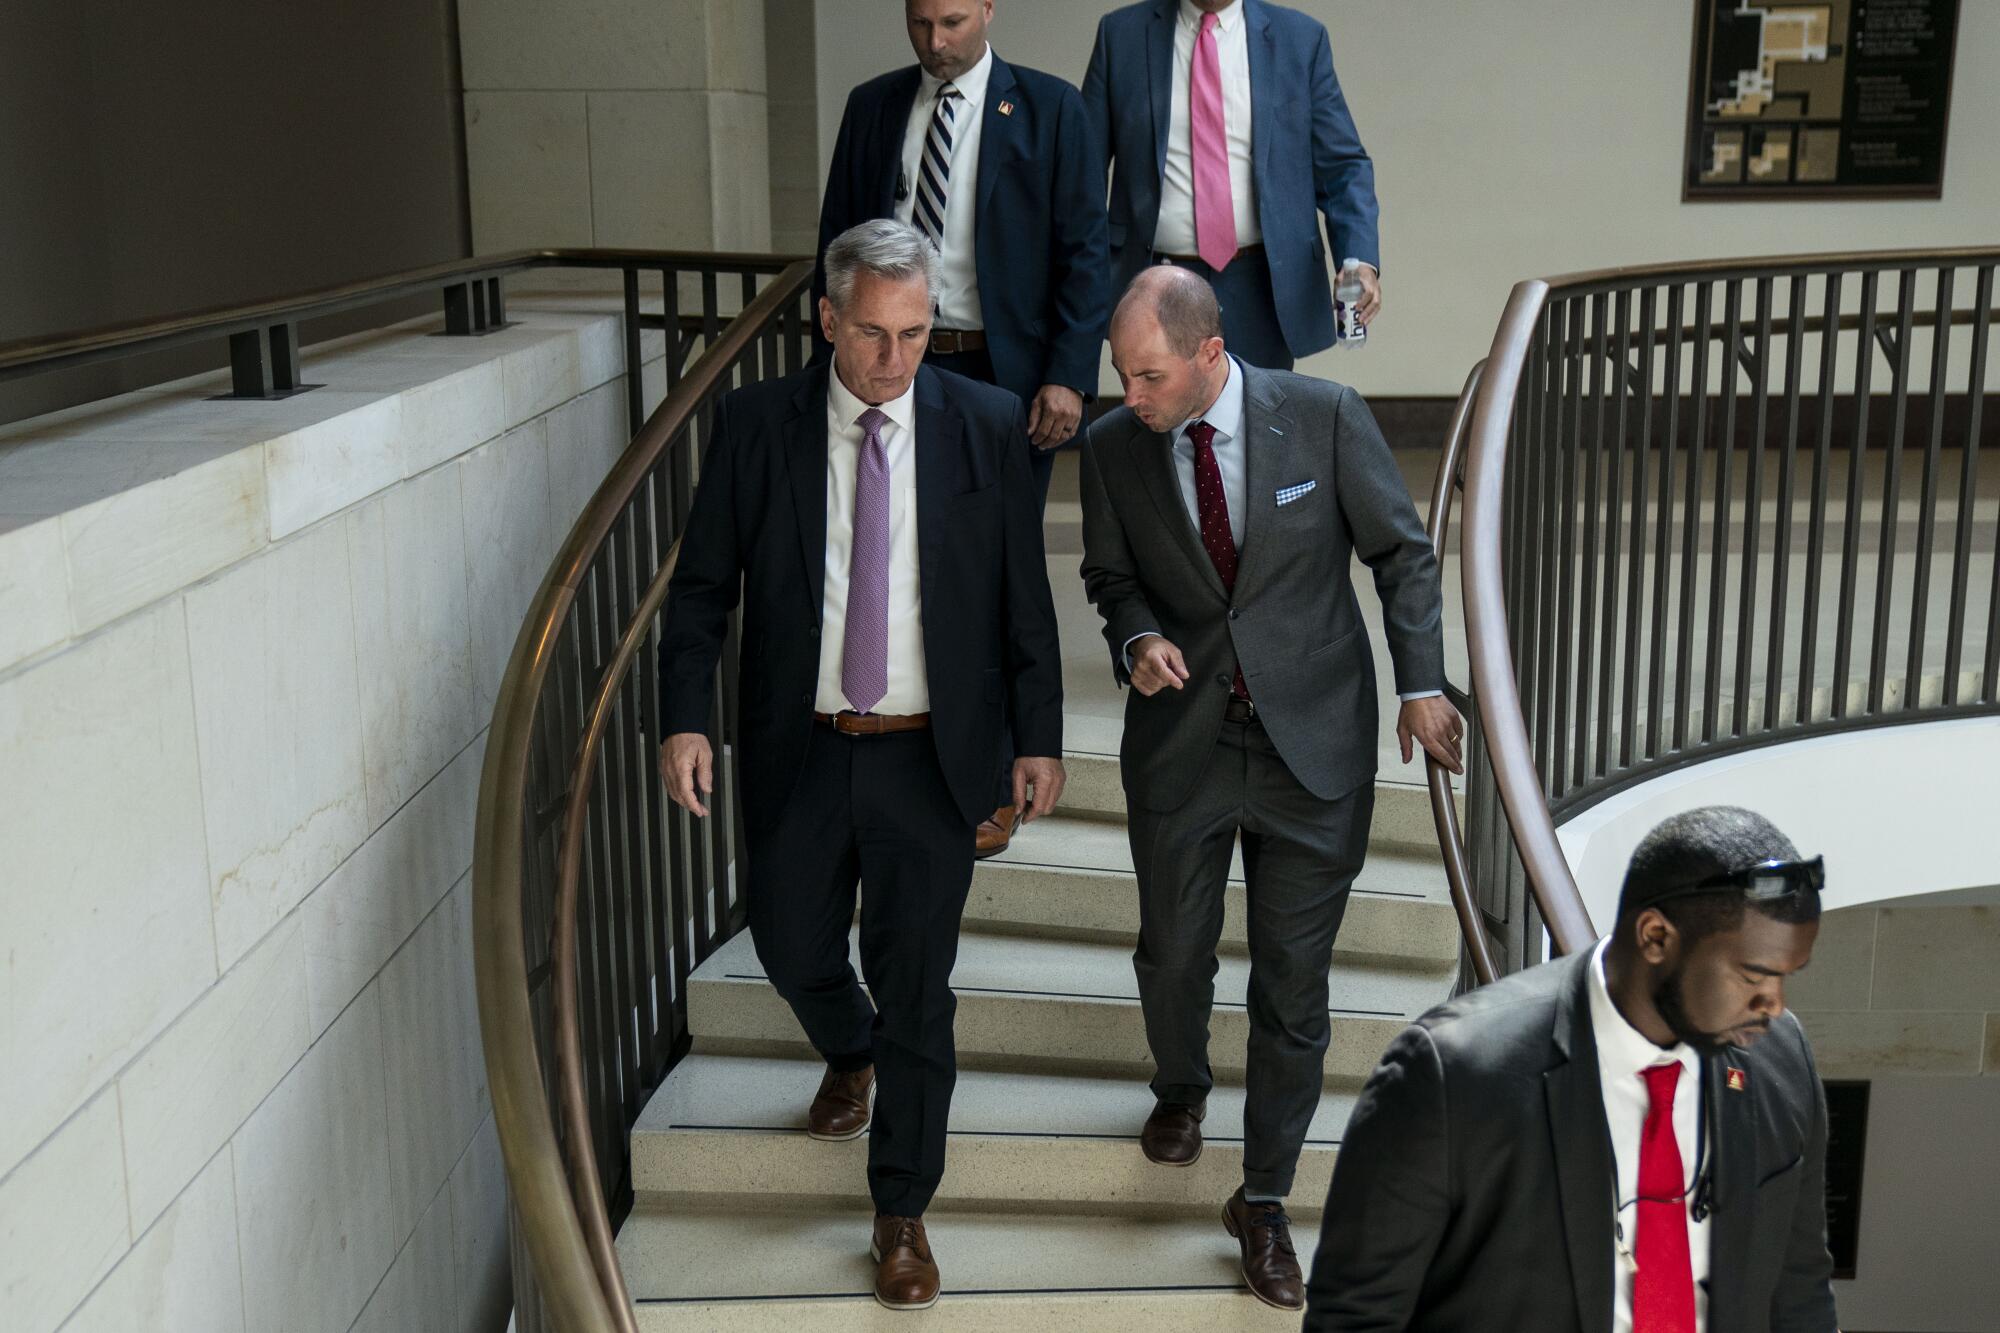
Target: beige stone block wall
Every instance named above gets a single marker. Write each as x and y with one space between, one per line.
793 116
245 1088
1905 989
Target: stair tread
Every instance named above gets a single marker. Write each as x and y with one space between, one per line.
771 1093
1090 971
1067 843
694 1255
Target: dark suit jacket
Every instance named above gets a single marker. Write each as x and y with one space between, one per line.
1473 1189
759 525
1038 232
1294 623
1307 157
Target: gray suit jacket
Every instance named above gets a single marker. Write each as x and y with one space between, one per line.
1474 1183
1294 624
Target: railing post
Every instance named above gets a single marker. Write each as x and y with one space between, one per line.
249 365
458 310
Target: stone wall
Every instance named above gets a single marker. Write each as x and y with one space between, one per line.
248 653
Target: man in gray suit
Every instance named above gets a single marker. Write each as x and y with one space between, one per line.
1221 505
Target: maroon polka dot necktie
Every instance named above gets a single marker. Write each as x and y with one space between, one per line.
1213 508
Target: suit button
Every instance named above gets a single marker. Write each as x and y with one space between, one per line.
1234 613
806 699
1223 681
814 631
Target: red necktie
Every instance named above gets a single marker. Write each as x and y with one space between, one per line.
1663 1288
1213 508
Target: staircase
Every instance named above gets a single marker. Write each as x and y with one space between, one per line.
1048 1215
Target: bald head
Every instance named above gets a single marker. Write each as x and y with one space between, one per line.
1166 344
1178 300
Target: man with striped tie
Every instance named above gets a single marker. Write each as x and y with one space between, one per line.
993 163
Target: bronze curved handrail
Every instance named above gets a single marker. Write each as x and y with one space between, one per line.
1444 804
568 1238
1532 343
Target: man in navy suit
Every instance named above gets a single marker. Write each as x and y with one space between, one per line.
994 164
1231 140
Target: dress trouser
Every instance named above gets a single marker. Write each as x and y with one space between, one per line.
1250 327
979 366
1300 856
871 811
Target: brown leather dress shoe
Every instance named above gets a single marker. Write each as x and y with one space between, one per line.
840 1110
907 1276
994 834
1172 1136
1270 1265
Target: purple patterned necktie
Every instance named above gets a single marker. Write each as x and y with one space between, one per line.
864 659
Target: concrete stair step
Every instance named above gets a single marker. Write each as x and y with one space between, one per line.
725 1127
1073 877
696 1271
1066 1004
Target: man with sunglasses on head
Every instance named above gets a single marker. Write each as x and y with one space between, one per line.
1629 1139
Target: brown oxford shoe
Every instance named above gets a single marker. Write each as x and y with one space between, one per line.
1172 1136
907 1275
1270 1265
994 834
840 1110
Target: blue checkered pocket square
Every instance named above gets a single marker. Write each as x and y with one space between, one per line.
1298 492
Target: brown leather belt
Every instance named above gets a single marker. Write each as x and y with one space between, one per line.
1238 710
947 342
1188 261
872 724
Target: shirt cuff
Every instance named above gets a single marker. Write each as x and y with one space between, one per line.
1127 650
1421 694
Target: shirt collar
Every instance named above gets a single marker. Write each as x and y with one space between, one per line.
1623 1050
844 410
1225 19
1227 413
971 85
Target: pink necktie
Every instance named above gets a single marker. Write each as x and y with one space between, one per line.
1214 209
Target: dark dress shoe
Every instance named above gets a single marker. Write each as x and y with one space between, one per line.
993 835
840 1110
1270 1265
907 1276
1172 1136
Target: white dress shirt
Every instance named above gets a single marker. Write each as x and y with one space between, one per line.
958 294
1175 233
1232 461
909 686
1622 1052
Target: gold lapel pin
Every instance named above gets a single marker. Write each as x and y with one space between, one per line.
1006 108
1737 1080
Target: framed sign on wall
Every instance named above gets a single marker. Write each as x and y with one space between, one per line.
1838 99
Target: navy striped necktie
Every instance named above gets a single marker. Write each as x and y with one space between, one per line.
934 169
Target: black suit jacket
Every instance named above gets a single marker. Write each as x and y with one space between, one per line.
758 525
1473 1189
1041 256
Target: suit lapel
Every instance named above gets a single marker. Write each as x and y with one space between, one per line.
890 131
805 460
1153 455
1733 1145
1581 1140
1270 460
1160 79
939 430
1263 51
997 132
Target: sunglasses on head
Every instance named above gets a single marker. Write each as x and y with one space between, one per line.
1767 881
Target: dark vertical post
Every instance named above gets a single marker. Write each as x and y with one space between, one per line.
1781 543
1829 366
1850 539
1718 561
496 306
1892 490
285 373
1638 661
1614 499
1968 489
1920 595
1753 522
1569 425
1691 518
458 309
249 365
635 374
670 280
1663 534
1586 656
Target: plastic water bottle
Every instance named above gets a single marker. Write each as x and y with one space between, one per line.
1349 331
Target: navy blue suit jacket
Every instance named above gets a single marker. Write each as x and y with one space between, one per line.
757 533
1308 158
1038 234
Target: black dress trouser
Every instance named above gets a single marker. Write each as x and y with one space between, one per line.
871 812
979 366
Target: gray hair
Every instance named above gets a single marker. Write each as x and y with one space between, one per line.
885 248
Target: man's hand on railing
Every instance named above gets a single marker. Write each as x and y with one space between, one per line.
1433 723
687 766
